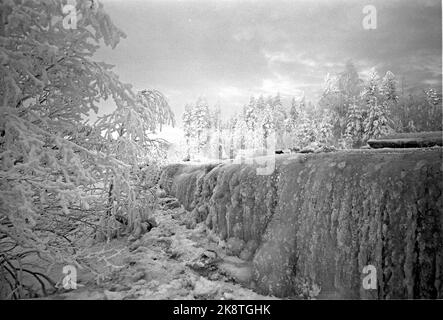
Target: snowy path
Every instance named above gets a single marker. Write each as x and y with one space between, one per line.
171 262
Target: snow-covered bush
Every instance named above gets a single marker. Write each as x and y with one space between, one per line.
377 98
354 128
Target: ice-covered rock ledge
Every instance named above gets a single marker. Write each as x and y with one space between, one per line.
321 218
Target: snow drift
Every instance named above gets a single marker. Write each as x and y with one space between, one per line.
320 218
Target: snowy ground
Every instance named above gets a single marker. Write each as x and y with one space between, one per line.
171 261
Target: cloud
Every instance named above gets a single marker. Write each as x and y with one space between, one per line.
431 82
427 62
283 84
291 58
230 92
277 57
308 62
244 35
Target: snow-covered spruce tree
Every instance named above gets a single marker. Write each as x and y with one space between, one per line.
433 110
338 94
293 114
280 116
252 132
197 123
388 87
56 170
260 103
371 90
422 112
354 127
305 133
239 133
251 114
216 143
376 122
246 124
257 122
202 123
301 128
323 129
231 131
432 96
390 99
188 129
267 123
290 125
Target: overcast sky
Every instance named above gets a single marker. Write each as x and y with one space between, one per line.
229 50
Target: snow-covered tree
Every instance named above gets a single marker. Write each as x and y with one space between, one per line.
330 85
197 125
130 127
376 122
56 168
433 110
280 116
267 123
290 124
215 133
293 115
388 87
201 122
240 132
188 129
231 129
251 114
305 128
323 134
349 82
371 90
432 96
260 103
339 92
421 112
354 129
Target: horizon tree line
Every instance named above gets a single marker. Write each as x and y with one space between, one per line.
349 112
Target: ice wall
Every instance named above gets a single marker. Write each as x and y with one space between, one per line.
320 218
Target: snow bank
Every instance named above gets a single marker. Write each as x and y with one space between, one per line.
320 218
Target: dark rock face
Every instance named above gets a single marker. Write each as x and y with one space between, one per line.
408 140
323 217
